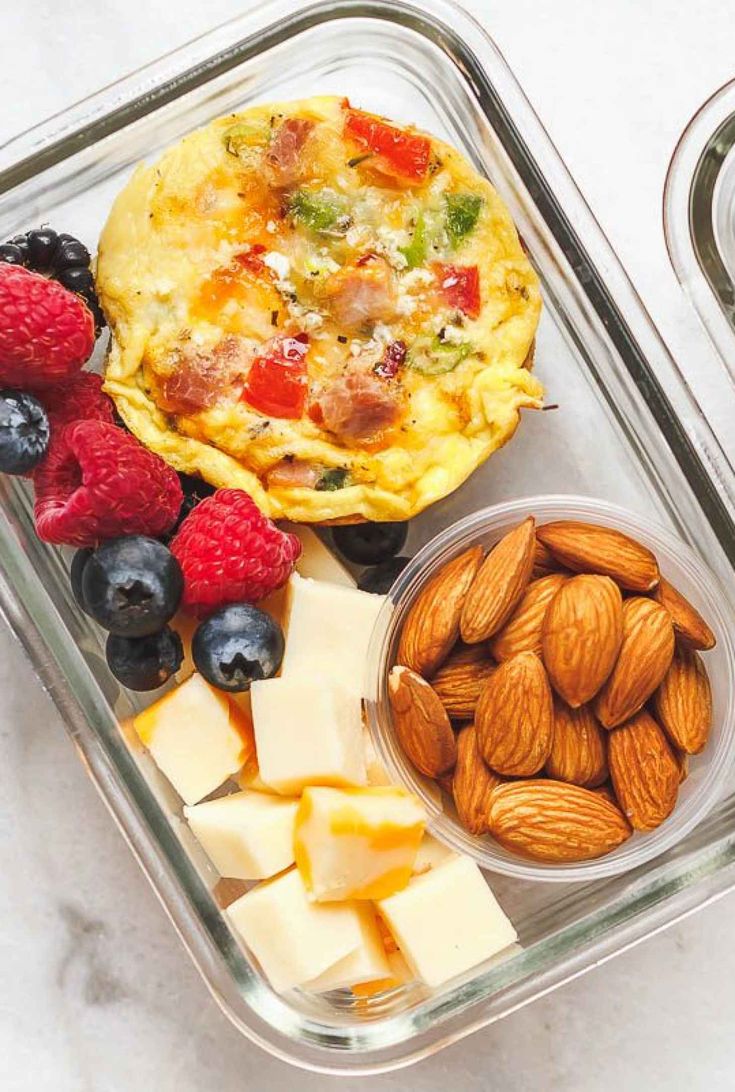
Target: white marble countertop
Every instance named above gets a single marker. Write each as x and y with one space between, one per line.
98 995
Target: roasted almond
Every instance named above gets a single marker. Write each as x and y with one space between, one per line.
514 717
498 584
581 635
689 625
607 792
644 771
587 548
544 561
555 821
645 657
421 723
683 702
579 747
460 679
522 632
473 783
432 625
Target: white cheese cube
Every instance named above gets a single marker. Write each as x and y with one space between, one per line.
329 629
248 835
365 964
294 940
316 560
431 853
447 921
357 843
197 737
307 733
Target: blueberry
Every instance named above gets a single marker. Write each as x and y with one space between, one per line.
381 578
41 246
70 254
11 254
76 572
77 279
370 543
24 432
237 645
132 585
144 663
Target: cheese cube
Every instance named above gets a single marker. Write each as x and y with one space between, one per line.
248 835
357 843
399 974
316 560
365 964
447 921
294 939
307 733
249 778
329 629
431 853
197 736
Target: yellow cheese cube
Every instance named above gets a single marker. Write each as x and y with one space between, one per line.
367 963
357 843
307 733
294 939
248 835
447 921
197 736
329 629
316 560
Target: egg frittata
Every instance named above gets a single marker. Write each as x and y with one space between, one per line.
320 307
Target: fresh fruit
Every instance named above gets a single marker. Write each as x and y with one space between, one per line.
578 748
581 636
230 552
98 482
132 586
42 244
61 257
499 584
76 574
381 578
554 821
514 717
421 723
24 432
370 543
460 679
194 489
246 835
689 625
46 332
683 702
431 627
644 772
472 784
587 548
79 398
522 631
237 645
144 663
645 657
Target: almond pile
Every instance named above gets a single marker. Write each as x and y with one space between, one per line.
554 687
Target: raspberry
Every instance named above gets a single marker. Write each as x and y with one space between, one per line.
231 553
46 332
78 399
98 482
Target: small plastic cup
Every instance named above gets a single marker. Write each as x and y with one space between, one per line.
708 771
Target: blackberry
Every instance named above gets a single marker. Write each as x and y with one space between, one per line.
41 249
11 254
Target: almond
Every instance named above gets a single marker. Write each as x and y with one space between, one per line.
446 782
682 761
522 632
555 821
421 723
689 625
514 717
683 702
644 771
579 747
607 792
473 783
432 624
460 679
499 584
544 561
581 636
645 657
587 548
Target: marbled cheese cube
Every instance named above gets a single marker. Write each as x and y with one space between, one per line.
447 921
367 963
248 835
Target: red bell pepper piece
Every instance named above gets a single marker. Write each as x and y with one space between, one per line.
277 382
400 153
392 360
460 286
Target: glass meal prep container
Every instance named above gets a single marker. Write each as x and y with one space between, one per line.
625 430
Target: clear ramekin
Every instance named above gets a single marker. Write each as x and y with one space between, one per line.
679 564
